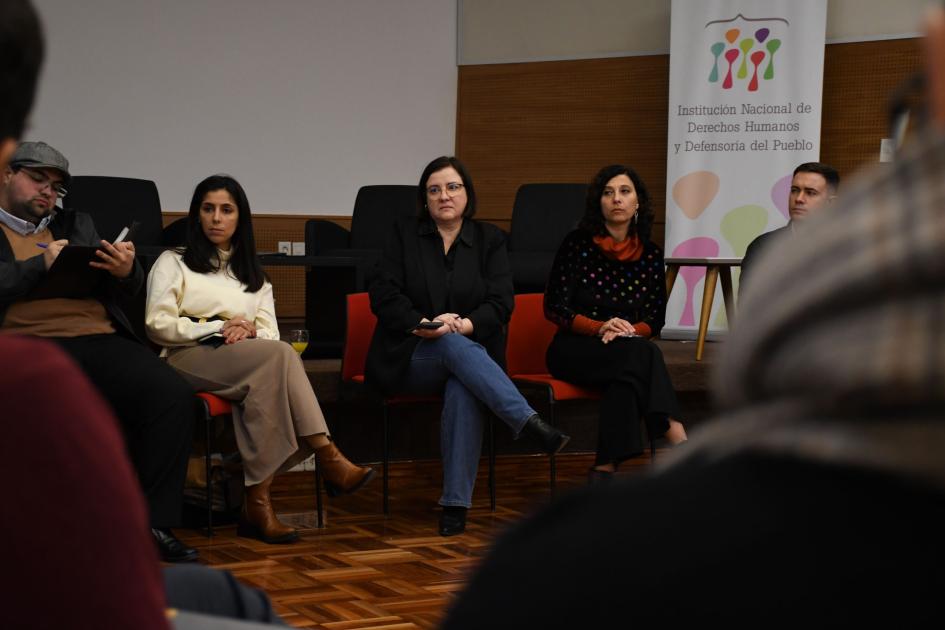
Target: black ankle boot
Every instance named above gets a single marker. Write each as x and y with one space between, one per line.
452 520
551 439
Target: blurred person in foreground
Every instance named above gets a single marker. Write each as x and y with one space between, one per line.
42 565
83 558
80 556
21 55
818 495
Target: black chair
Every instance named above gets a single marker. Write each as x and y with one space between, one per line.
114 203
345 261
175 233
542 216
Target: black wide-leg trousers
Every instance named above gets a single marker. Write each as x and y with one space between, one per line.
635 383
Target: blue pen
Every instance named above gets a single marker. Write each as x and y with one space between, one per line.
43 245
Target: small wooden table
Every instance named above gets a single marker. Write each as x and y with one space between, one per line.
714 268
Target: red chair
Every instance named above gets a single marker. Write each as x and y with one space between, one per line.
530 334
215 407
359 330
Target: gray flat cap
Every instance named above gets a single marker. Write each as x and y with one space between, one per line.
40 155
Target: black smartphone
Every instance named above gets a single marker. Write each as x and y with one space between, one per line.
428 325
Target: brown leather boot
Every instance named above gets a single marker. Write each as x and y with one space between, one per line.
196 472
259 521
341 476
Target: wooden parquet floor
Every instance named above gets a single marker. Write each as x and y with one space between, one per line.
367 571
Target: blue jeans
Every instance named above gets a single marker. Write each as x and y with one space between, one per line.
470 382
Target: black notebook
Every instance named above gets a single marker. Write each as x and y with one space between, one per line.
70 275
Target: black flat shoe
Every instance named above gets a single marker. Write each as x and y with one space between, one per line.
551 439
170 548
599 477
452 520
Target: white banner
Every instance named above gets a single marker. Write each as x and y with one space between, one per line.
745 87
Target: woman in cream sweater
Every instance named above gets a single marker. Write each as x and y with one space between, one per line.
210 306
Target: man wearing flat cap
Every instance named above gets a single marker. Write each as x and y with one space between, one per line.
153 404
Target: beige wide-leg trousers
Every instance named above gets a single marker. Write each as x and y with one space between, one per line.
275 401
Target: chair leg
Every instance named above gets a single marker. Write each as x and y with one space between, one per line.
551 458
492 463
319 515
208 423
386 464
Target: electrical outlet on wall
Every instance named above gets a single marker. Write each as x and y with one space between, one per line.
285 247
298 248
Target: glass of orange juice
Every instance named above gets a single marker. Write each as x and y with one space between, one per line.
299 340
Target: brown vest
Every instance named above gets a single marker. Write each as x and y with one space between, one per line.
56 317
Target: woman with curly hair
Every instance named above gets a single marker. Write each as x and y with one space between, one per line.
607 294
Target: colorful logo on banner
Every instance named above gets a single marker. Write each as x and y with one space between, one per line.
757 48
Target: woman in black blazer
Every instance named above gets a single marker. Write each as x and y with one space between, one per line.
443 296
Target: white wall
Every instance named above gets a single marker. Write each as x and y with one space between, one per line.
303 101
507 31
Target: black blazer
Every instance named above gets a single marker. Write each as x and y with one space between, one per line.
761 244
411 283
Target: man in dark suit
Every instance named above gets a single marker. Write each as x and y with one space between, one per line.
813 186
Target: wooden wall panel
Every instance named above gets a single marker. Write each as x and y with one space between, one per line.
561 121
858 80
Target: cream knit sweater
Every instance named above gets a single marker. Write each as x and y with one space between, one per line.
174 292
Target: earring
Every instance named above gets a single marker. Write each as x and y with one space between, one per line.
636 216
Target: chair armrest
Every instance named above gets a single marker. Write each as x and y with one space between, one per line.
321 235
